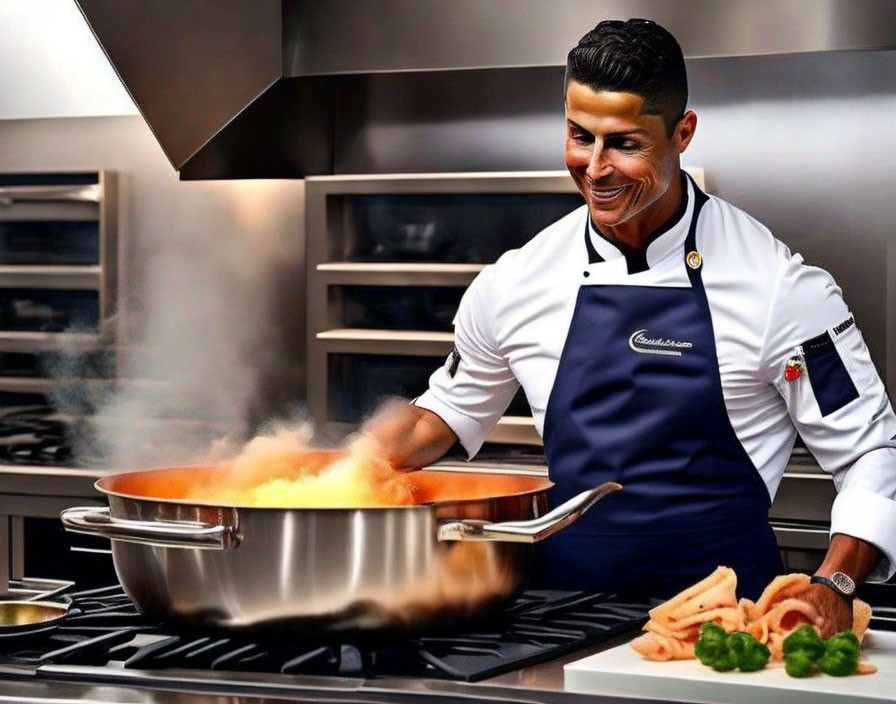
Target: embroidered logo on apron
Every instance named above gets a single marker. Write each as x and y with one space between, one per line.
642 344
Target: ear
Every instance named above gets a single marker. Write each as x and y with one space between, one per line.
685 129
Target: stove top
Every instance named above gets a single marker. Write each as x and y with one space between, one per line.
106 632
106 648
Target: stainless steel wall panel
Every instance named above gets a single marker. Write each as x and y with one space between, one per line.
360 36
450 121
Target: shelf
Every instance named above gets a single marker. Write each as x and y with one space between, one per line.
56 211
36 342
397 342
398 274
474 466
44 385
51 277
516 430
800 538
37 385
554 181
10 195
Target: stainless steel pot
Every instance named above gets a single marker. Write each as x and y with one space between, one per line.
404 567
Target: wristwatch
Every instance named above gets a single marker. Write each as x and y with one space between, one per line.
839 582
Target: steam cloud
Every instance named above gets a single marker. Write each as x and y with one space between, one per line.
210 332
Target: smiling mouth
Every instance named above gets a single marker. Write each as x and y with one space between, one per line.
606 193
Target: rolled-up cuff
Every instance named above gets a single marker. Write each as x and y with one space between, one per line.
469 431
864 514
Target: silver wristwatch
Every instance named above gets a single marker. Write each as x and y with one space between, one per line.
839 582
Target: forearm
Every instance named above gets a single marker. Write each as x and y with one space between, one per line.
409 436
853 557
849 555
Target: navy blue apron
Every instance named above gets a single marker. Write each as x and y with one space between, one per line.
638 400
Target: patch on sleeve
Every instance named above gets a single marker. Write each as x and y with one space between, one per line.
453 362
828 376
844 326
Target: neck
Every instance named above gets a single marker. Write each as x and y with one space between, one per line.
637 233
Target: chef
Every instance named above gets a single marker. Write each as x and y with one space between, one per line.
665 340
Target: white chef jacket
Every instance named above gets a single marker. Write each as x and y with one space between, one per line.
765 302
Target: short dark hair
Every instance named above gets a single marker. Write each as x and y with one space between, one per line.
635 56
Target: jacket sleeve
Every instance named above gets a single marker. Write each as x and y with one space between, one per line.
474 386
837 403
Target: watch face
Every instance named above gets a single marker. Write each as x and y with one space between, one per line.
844 582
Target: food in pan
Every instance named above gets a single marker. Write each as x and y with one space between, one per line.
274 471
707 621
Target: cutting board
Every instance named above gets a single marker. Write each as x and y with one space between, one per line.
621 670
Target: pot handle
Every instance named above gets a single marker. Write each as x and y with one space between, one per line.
94 520
526 531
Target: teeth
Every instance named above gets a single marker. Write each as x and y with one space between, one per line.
604 193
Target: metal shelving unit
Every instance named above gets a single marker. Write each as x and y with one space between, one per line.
48 201
332 229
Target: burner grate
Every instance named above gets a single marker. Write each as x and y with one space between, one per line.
106 630
38 436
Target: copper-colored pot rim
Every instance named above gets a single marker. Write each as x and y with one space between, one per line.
528 486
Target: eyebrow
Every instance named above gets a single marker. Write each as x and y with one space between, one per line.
621 133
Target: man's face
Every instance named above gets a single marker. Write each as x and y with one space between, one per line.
621 159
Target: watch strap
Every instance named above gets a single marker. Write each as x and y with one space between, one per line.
818 579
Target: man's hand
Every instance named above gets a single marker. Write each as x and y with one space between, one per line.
407 436
845 554
834 613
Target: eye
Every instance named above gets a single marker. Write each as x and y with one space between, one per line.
623 144
581 136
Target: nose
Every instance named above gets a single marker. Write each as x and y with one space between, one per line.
599 164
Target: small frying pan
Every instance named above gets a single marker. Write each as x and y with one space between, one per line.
22 620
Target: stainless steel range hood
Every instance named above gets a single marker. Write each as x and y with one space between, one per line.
252 88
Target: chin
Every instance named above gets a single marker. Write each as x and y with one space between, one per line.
606 218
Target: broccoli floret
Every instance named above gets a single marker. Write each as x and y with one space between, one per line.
843 639
725 661
798 663
804 651
804 639
712 631
711 644
841 655
723 652
751 655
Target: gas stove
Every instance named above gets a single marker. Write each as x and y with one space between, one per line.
106 641
106 650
